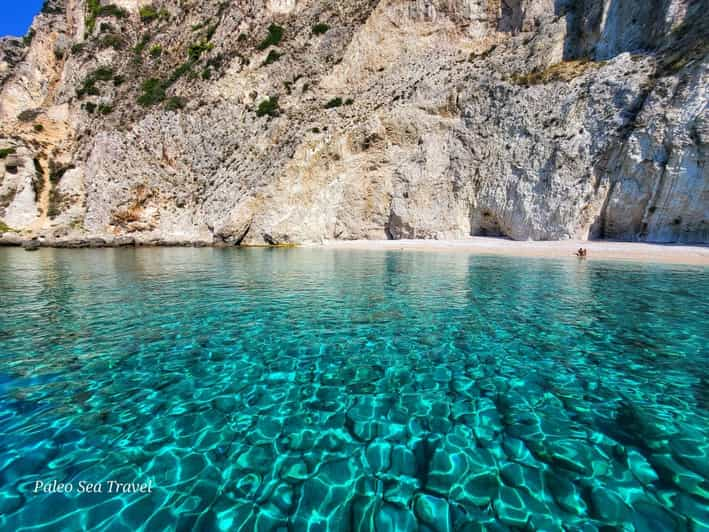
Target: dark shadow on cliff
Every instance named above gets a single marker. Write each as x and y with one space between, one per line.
636 26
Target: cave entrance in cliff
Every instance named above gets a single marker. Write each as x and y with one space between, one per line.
486 223
12 163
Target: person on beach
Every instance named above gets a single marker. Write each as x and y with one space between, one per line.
582 253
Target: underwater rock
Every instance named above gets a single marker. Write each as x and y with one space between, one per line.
259 459
247 485
433 511
608 506
675 473
573 455
447 467
296 473
650 516
362 512
510 507
322 502
31 245
401 490
365 430
643 428
487 421
463 411
547 523
442 374
378 456
695 510
516 449
527 478
225 403
332 441
392 518
267 428
512 474
565 493
403 461
10 500
480 486
478 489
267 519
692 453
283 497
300 440
640 467
393 432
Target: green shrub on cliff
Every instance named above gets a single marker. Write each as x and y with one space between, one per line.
94 9
88 87
27 39
196 50
153 92
148 13
174 103
112 40
112 10
55 200
57 171
275 35
320 29
272 57
335 102
268 107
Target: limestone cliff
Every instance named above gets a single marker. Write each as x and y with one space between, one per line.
299 120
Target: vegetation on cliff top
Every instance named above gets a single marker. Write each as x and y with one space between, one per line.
52 7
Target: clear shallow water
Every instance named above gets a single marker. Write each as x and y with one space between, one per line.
352 390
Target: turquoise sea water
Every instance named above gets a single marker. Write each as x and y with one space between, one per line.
352 390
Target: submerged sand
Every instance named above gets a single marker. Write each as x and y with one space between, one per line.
597 250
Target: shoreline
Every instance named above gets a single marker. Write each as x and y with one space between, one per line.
695 255
671 253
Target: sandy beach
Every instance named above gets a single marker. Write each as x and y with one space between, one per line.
597 250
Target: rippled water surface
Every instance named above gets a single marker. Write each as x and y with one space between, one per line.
352 390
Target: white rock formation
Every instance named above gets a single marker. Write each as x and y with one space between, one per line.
534 119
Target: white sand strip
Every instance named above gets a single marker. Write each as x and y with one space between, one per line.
597 250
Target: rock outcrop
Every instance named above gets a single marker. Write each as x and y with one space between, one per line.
300 120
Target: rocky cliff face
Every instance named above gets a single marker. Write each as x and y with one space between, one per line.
297 120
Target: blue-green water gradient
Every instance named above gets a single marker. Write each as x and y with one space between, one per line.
304 389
